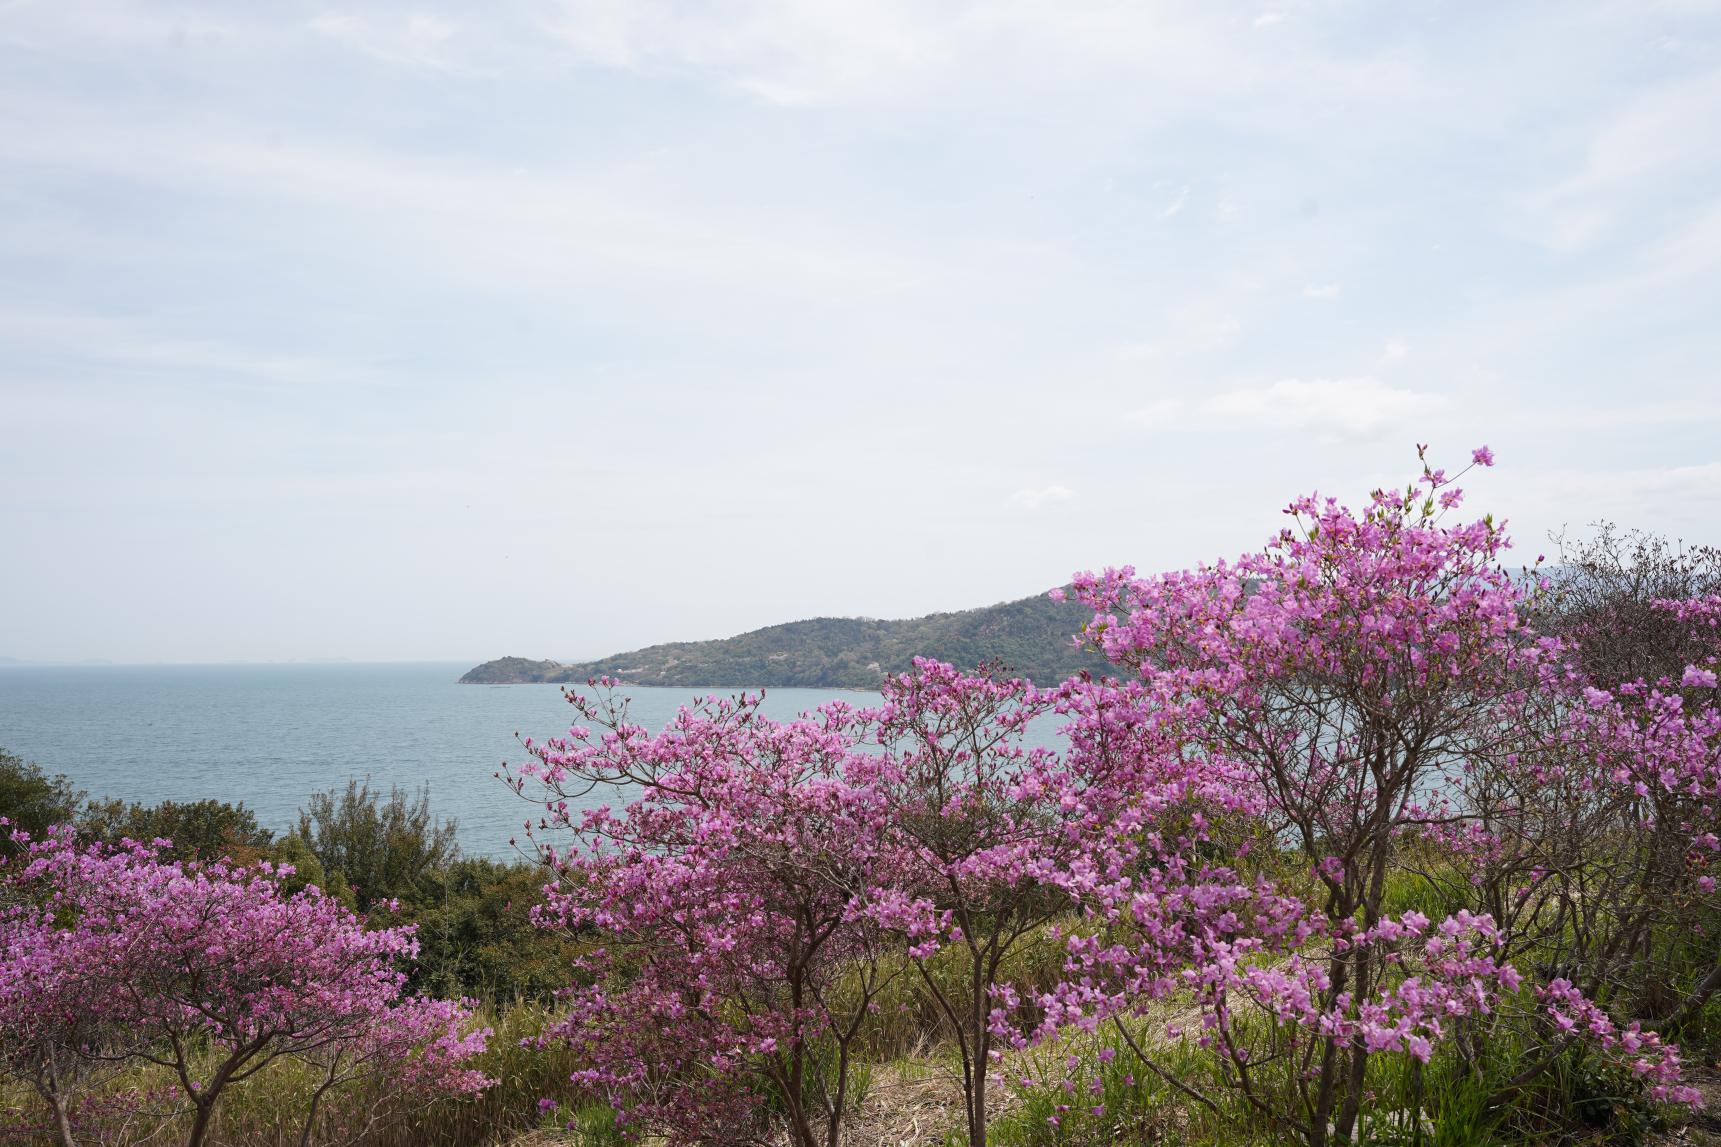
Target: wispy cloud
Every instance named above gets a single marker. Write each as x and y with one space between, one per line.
419 39
1036 499
506 227
1158 414
778 51
1642 148
1689 496
131 343
1333 407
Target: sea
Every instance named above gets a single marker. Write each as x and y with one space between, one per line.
271 735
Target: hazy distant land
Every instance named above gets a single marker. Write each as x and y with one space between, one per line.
1031 636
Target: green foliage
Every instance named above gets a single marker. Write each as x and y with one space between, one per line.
475 931
1582 1098
199 830
383 847
307 869
1099 1092
1030 637
476 936
1408 891
907 1017
589 1124
31 799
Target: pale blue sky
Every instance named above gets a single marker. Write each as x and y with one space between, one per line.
412 331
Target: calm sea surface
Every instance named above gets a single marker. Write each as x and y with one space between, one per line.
270 735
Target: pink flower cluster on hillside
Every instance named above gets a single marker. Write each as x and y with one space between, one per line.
110 956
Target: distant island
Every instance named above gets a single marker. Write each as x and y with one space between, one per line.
1032 637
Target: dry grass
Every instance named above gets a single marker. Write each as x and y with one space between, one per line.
911 1103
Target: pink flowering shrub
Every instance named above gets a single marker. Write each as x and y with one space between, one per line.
738 961
55 1034
1372 676
769 879
1346 801
1596 839
987 842
1653 754
980 835
209 971
1593 838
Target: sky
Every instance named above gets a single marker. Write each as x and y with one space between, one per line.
553 329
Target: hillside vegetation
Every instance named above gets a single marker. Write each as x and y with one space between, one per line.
1031 637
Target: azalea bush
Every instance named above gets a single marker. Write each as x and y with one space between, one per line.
1354 801
772 879
1643 620
1373 673
739 960
116 957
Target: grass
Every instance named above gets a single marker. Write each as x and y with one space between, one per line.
268 1109
1097 1093
1086 1091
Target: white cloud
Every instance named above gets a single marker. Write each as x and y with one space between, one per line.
1176 206
1334 407
1156 414
421 39
508 228
1648 143
780 51
1321 291
1031 500
129 343
1395 350
895 52
1204 327
1586 419
1682 500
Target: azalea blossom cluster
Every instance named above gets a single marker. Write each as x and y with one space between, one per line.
731 899
117 956
1702 619
1645 1053
1221 826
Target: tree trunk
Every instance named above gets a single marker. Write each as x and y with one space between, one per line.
1326 1089
834 1125
1358 1060
200 1123
982 1060
62 1121
977 1116
311 1114
48 1087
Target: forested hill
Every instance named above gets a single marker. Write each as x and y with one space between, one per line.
1031 637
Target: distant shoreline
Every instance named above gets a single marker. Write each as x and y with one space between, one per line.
1030 637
